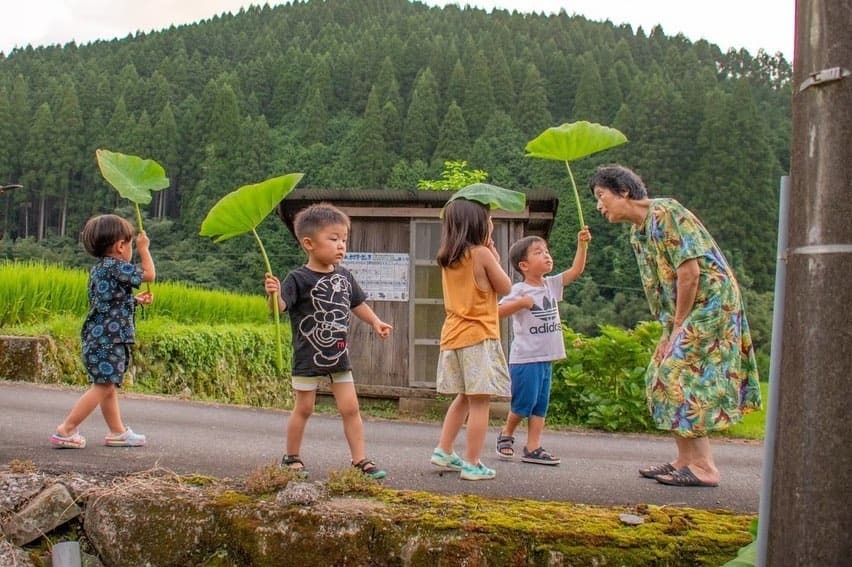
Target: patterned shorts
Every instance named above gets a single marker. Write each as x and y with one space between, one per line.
477 369
106 363
310 383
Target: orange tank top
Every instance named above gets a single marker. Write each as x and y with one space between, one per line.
471 313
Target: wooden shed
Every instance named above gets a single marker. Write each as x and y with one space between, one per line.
392 247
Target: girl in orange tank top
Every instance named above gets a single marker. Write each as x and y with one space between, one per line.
471 364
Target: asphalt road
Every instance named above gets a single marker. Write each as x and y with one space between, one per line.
229 441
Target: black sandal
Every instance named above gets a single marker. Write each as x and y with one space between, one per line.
294 464
657 470
505 443
369 468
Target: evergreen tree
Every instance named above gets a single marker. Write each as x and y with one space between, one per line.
453 141
499 151
735 183
314 118
40 167
371 163
164 148
420 132
456 84
588 104
532 114
405 175
501 81
70 145
5 165
560 86
392 126
478 102
19 122
386 85
119 129
444 57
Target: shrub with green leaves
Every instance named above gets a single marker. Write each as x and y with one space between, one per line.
601 382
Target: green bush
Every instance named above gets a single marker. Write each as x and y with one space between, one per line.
601 383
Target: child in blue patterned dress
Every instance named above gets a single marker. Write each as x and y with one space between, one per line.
109 330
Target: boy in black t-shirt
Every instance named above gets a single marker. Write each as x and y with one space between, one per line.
319 298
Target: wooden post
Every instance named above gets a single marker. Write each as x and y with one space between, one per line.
810 511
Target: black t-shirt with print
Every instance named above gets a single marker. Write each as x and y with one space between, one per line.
320 305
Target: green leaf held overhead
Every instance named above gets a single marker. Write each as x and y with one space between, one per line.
492 196
242 210
133 177
574 140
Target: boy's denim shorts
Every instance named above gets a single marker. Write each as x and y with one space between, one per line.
531 388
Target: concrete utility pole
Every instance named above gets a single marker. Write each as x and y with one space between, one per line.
811 494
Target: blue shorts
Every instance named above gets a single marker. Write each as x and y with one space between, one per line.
530 388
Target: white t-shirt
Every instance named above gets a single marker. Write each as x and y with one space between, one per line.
537 331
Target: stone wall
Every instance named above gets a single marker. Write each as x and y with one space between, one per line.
27 359
160 519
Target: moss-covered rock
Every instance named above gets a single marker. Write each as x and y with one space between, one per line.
166 521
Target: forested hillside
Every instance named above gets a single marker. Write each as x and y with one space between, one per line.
377 94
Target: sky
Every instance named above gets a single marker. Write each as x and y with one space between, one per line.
749 24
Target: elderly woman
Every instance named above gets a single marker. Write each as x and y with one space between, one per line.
703 375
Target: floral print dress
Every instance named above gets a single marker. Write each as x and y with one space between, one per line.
707 377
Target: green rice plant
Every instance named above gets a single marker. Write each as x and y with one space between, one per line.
33 291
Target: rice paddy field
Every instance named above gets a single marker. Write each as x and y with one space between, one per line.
31 292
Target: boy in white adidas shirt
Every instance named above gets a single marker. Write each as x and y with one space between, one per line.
537 342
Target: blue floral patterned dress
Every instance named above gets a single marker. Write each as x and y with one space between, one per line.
707 378
109 327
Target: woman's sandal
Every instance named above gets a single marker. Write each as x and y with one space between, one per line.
369 468
657 470
294 464
684 477
505 447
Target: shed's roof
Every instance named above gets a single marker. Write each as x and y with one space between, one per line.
539 200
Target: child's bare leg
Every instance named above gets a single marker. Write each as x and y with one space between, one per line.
512 423
477 426
298 419
110 411
535 426
453 421
353 428
82 409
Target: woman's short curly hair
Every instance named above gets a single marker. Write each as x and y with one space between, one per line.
618 179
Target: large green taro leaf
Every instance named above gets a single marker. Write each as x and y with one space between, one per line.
572 141
492 196
133 177
245 208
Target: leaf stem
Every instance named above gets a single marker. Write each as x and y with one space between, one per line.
279 361
576 199
139 222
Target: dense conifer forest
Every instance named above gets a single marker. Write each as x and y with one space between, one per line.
377 94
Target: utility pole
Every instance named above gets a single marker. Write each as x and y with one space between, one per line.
811 494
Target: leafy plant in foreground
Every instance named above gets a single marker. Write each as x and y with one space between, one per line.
601 382
242 211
